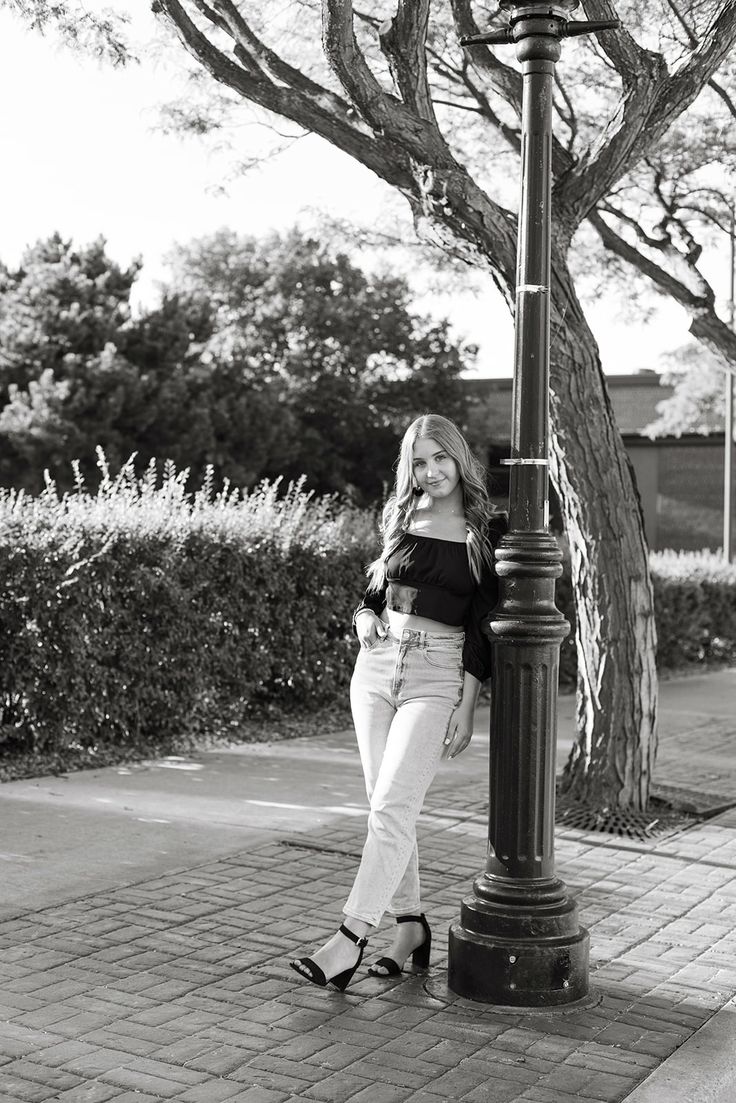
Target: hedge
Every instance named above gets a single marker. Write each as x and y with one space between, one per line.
695 611
695 602
144 613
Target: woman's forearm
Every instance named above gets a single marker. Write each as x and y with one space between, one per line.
471 689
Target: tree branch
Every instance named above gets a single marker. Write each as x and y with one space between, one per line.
459 106
211 14
384 112
705 324
403 41
648 108
230 19
570 119
644 237
314 108
693 42
460 79
681 88
630 60
446 201
449 208
504 79
721 91
512 136
674 8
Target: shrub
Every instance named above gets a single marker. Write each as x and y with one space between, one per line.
695 611
144 612
695 600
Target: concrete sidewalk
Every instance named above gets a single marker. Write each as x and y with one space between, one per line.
149 914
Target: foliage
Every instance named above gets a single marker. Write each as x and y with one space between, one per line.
695 595
644 115
141 612
61 302
698 403
350 362
264 358
64 381
103 34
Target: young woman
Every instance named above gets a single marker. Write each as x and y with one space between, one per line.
422 660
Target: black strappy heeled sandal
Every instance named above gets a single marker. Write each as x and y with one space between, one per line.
306 968
419 957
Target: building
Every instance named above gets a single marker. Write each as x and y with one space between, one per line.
679 479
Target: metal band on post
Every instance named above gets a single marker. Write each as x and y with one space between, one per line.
520 462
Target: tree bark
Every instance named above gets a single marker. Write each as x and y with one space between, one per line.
611 763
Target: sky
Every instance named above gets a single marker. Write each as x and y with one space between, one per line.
83 155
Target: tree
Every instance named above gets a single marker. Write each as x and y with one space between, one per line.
263 358
65 384
390 95
346 357
698 404
78 370
62 301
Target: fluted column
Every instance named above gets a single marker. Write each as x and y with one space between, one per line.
518 941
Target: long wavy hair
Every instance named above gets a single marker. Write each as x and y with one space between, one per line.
400 507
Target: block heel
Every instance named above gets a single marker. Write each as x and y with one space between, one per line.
419 957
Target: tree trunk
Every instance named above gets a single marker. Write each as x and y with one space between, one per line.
611 763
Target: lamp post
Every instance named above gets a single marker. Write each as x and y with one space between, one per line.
518 941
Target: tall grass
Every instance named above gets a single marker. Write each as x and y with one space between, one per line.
693 565
159 502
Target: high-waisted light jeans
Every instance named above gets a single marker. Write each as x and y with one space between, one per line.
403 693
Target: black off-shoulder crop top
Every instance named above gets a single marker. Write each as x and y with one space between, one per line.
428 577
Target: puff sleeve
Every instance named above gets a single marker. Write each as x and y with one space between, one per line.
372 599
477 652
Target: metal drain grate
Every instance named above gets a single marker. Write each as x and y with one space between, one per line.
653 823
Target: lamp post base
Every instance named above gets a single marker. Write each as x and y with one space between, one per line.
519 956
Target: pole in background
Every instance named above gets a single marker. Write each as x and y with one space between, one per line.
518 941
728 433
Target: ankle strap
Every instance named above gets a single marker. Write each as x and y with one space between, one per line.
353 937
409 918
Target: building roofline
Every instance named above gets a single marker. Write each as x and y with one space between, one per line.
689 439
505 383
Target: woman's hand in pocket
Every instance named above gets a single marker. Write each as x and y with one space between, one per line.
369 628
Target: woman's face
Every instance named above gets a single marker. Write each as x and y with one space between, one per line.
436 473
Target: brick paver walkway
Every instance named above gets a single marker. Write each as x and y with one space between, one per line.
178 988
